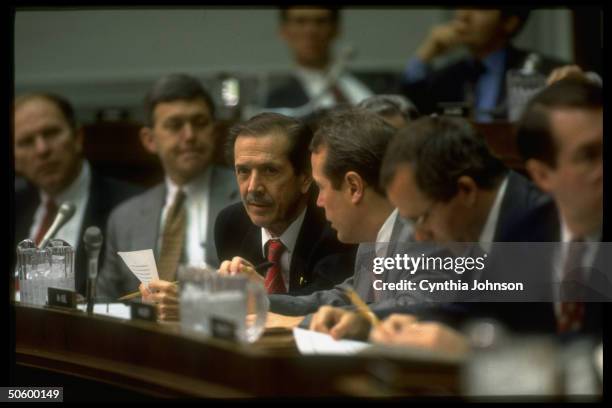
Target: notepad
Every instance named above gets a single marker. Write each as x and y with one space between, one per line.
311 342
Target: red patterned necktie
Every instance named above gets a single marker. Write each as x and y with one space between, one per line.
50 212
572 312
274 279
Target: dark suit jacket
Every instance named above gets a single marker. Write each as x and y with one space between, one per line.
319 260
104 195
449 83
289 93
543 225
521 201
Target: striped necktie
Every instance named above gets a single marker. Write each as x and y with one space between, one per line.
173 237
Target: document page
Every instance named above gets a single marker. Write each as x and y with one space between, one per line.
141 263
311 342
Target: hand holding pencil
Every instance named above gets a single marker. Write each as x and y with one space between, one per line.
342 323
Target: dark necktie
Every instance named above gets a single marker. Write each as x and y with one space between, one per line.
572 311
50 213
339 95
173 237
274 279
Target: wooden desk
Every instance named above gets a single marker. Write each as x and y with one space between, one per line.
156 360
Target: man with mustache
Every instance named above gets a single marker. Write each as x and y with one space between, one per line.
48 146
278 219
174 218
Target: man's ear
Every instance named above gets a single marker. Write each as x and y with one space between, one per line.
305 182
148 140
467 190
355 186
540 173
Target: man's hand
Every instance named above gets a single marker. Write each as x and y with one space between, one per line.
240 265
400 329
164 295
441 39
278 320
340 323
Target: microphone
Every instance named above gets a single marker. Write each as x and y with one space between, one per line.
64 214
93 243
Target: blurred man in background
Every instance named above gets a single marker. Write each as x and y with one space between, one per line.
310 32
48 146
478 79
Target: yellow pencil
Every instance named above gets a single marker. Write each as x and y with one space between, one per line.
362 308
136 294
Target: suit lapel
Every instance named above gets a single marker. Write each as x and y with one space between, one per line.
147 230
307 241
251 246
222 191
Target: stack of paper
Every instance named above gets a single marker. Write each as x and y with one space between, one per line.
311 342
118 310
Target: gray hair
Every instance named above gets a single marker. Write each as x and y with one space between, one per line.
390 105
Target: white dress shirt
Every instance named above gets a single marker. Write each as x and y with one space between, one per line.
78 194
487 235
197 196
383 237
313 82
288 238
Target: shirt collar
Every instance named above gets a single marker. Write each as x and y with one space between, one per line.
566 235
194 187
488 232
76 190
384 233
288 238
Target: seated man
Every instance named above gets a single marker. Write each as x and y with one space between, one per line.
176 217
48 147
440 174
479 79
310 32
347 151
561 138
278 219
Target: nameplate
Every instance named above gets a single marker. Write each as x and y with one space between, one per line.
223 329
143 311
61 298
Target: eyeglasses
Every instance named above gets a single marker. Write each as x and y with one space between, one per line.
423 217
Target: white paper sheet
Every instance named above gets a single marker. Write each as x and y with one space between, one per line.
141 263
311 342
118 310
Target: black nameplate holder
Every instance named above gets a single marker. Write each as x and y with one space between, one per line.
143 311
62 298
223 329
